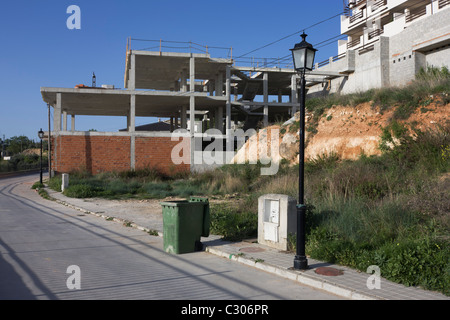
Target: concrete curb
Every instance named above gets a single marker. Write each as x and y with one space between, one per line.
297 276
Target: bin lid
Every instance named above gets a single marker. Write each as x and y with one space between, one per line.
174 203
180 203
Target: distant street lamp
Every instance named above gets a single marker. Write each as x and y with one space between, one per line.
303 55
41 136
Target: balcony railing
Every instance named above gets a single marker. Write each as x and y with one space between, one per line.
332 59
378 5
443 3
356 17
375 33
353 43
413 15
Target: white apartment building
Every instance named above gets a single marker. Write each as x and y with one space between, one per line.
388 42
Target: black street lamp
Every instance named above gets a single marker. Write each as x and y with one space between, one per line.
303 55
41 136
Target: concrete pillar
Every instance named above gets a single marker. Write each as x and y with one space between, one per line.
211 87
294 92
132 114
192 114
219 118
212 120
176 85
385 61
230 139
266 116
266 98
228 95
183 84
132 128
57 113
72 125
132 73
64 120
133 152
192 97
219 85
183 117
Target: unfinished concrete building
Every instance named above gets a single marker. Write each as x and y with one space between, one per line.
195 91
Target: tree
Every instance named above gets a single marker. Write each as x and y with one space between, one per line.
17 144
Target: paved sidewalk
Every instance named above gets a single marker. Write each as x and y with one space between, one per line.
348 283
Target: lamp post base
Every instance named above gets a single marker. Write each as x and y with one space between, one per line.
300 263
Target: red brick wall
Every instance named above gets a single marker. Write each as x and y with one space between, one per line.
92 153
112 153
155 152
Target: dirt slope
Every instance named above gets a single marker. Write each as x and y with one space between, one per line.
344 130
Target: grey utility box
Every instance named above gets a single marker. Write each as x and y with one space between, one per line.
277 218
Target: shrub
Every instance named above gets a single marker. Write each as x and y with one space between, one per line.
80 191
156 190
55 183
232 224
37 185
416 262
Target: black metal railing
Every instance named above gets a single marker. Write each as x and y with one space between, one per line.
443 3
356 17
413 15
353 43
378 5
375 33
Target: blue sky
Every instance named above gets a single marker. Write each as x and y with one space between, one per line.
38 50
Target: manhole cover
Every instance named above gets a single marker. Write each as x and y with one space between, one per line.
251 249
328 271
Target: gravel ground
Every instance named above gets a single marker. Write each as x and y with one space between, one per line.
145 213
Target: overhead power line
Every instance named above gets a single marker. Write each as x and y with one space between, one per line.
290 35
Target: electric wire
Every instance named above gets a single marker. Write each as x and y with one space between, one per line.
290 35
415 4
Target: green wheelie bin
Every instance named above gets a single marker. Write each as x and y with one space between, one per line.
184 223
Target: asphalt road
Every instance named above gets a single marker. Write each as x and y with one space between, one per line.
52 252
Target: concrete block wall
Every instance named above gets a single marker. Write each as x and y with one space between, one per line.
439 57
406 57
368 72
103 153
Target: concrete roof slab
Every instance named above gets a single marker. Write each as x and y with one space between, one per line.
117 102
